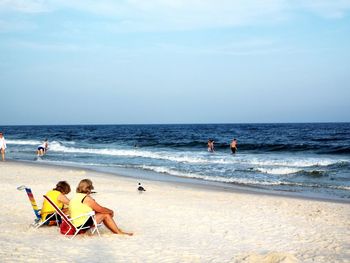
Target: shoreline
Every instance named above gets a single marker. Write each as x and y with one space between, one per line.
195 183
172 222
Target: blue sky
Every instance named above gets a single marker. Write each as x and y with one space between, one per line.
167 61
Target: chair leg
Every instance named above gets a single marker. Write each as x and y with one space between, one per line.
96 227
76 233
92 229
47 219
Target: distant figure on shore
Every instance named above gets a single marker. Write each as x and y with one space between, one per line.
233 146
2 146
210 145
42 148
140 188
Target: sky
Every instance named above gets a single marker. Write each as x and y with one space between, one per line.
174 61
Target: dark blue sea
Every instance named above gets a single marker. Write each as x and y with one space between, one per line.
312 159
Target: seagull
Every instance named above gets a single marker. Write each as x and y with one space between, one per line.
140 188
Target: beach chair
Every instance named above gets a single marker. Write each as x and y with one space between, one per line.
68 221
37 221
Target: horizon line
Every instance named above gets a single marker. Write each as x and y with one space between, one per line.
199 123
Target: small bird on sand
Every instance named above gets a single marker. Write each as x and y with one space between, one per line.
140 188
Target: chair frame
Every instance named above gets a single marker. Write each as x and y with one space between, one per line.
37 221
41 223
68 220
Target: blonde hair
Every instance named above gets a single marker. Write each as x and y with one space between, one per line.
85 186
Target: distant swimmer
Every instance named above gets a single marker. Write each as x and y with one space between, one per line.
42 148
210 145
140 188
233 146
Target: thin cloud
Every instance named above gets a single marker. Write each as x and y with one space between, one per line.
237 48
335 9
24 6
45 46
13 26
169 15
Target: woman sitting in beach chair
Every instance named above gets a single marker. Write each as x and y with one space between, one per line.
58 196
83 203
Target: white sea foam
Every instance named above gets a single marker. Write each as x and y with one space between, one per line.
23 142
65 142
289 165
341 187
37 142
278 171
57 147
221 179
244 181
305 162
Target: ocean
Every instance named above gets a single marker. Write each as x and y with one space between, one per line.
307 159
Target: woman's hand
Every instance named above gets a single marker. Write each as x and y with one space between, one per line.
96 207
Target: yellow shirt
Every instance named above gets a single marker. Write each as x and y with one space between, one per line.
47 208
77 208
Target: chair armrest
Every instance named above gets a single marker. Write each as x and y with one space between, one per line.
92 213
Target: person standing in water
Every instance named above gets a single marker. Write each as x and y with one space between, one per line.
210 145
42 148
2 146
233 146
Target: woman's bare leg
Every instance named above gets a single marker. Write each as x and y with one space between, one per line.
107 219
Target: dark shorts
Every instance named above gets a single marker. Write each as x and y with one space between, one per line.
88 223
52 221
233 149
41 148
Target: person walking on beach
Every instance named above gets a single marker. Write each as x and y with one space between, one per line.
210 145
42 148
83 203
2 146
233 146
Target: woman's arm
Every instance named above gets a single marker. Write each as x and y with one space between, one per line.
63 199
96 207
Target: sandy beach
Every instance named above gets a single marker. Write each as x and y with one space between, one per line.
172 223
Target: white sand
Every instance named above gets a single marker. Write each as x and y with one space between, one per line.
172 223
